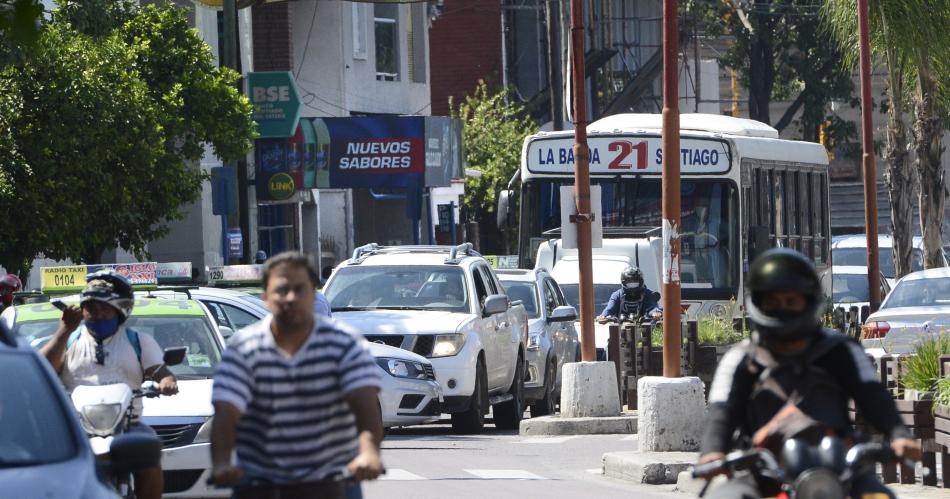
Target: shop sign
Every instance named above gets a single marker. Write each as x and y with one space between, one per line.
281 186
276 103
376 151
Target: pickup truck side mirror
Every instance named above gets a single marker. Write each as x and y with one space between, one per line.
564 313
495 304
174 356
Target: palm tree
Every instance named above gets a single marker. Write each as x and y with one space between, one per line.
912 39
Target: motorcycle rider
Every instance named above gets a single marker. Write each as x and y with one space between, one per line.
9 284
633 298
105 352
793 379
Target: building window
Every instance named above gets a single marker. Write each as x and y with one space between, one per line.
359 31
386 22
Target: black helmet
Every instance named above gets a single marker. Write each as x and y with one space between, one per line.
783 269
109 287
632 280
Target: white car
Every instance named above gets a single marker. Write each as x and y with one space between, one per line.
852 251
848 285
918 306
182 421
552 337
446 304
409 395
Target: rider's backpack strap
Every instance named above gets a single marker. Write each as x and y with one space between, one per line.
73 337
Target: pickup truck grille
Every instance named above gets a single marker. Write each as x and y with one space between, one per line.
393 340
424 345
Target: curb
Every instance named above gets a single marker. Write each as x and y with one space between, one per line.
556 425
651 468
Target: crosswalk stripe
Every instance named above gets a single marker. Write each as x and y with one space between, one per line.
595 471
504 475
547 440
400 475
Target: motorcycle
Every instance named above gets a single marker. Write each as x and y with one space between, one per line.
805 472
106 414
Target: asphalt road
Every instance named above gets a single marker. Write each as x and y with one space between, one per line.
430 462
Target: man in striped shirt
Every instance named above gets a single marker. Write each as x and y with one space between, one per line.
295 394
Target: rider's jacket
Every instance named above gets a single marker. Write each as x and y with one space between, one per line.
618 304
752 384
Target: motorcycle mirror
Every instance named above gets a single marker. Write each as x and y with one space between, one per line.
831 454
131 452
174 356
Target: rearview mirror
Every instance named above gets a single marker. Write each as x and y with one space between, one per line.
564 313
174 356
131 452
503 215
495 304
226 332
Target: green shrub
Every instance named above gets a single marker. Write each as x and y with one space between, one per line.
942 397
712 331
922 370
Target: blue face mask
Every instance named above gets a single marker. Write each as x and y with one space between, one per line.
102 329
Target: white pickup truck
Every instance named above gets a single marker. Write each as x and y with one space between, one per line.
446 304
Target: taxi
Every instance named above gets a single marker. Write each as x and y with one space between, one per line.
182 421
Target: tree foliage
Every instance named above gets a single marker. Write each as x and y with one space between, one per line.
104 128
494 131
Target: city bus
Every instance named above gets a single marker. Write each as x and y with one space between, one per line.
743 190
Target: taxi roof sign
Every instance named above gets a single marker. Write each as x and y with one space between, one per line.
173 272
235 275
72 278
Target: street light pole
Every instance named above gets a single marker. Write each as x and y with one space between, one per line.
870 172
672 341
230 60
582 182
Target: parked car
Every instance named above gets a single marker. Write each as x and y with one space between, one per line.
182 421
852 250
552 337
44 451
918 306
848 285
409 395
446 304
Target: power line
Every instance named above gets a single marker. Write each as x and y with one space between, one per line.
307 45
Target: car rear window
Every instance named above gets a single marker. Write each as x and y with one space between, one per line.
930 292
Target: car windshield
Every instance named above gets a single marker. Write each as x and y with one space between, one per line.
191 332
602 294
850 288
859 257
526 292
919 293
398 288
34 422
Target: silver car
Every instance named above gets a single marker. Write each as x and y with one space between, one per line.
410 395
918 306
552 337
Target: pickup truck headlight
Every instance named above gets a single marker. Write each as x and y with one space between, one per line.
402 368
534 341
447 345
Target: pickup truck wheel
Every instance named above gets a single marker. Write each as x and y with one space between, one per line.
508 414
545 406
472 420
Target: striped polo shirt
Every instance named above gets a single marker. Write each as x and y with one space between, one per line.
295 424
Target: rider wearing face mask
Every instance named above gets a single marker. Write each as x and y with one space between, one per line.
633 298
792 379
104 351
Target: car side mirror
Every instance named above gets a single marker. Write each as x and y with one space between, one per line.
495 304
174 356
564 313
131 452
226 332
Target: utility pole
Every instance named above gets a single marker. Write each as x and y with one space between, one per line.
582 183
555 95
230 52
672 342
867 159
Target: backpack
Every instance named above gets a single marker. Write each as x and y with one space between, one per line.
132 335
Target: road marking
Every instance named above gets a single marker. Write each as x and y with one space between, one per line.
400 475
547 440
595 471
504 475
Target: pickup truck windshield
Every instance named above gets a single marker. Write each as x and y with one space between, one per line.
398 288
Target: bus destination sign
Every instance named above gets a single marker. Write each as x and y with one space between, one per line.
626 154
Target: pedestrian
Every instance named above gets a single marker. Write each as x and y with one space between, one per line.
104 351
321 306
296 396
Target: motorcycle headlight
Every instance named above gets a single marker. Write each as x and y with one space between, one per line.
534 341
204 433
101 419
447 345
402 368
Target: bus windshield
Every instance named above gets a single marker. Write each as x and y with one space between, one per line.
709 221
